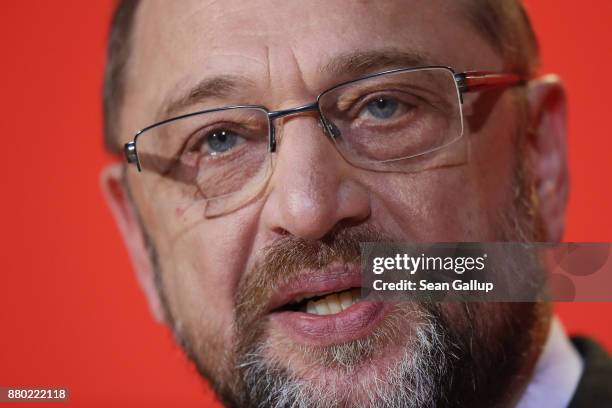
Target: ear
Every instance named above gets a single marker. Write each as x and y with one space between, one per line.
130 228
547 151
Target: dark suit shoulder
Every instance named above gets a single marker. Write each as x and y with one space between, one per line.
595 386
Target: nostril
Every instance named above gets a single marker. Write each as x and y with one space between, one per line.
280 231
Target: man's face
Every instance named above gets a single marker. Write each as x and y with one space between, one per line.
225 281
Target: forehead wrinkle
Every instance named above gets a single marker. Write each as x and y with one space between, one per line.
267 64
298 67
287 81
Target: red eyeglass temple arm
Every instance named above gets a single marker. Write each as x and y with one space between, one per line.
475 81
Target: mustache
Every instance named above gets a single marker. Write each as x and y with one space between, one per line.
285 258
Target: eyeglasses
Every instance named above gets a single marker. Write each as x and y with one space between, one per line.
385 121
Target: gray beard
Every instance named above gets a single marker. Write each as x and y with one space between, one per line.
409 382
443 363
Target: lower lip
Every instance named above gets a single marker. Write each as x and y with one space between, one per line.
357 321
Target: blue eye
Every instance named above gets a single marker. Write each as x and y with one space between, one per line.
221 141
382 108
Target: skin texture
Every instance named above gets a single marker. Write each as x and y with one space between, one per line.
281 47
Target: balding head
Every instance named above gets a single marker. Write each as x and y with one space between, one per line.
503 23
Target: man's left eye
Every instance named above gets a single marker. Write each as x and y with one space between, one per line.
381 108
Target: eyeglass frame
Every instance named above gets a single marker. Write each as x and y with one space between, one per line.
466 82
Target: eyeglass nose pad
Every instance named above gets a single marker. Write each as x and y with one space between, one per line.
272 141
330 129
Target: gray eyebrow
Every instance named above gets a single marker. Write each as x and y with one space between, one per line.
361 62
348 65
218 86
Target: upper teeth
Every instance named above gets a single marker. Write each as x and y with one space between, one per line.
332 303
300 298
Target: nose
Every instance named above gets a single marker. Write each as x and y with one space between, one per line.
312 188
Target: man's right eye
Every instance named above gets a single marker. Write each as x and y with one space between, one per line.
218 141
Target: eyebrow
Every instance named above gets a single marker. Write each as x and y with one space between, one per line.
218 86
347 65
361 62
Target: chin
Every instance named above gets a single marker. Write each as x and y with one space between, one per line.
352 367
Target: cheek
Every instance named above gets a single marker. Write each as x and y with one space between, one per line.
201 263
435 205
458 203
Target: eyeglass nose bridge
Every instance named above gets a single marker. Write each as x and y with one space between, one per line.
330 129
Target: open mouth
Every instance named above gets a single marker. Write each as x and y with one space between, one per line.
323 307
323 304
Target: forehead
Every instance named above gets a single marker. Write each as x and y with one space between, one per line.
281 46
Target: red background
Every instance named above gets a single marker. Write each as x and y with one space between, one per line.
71 313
